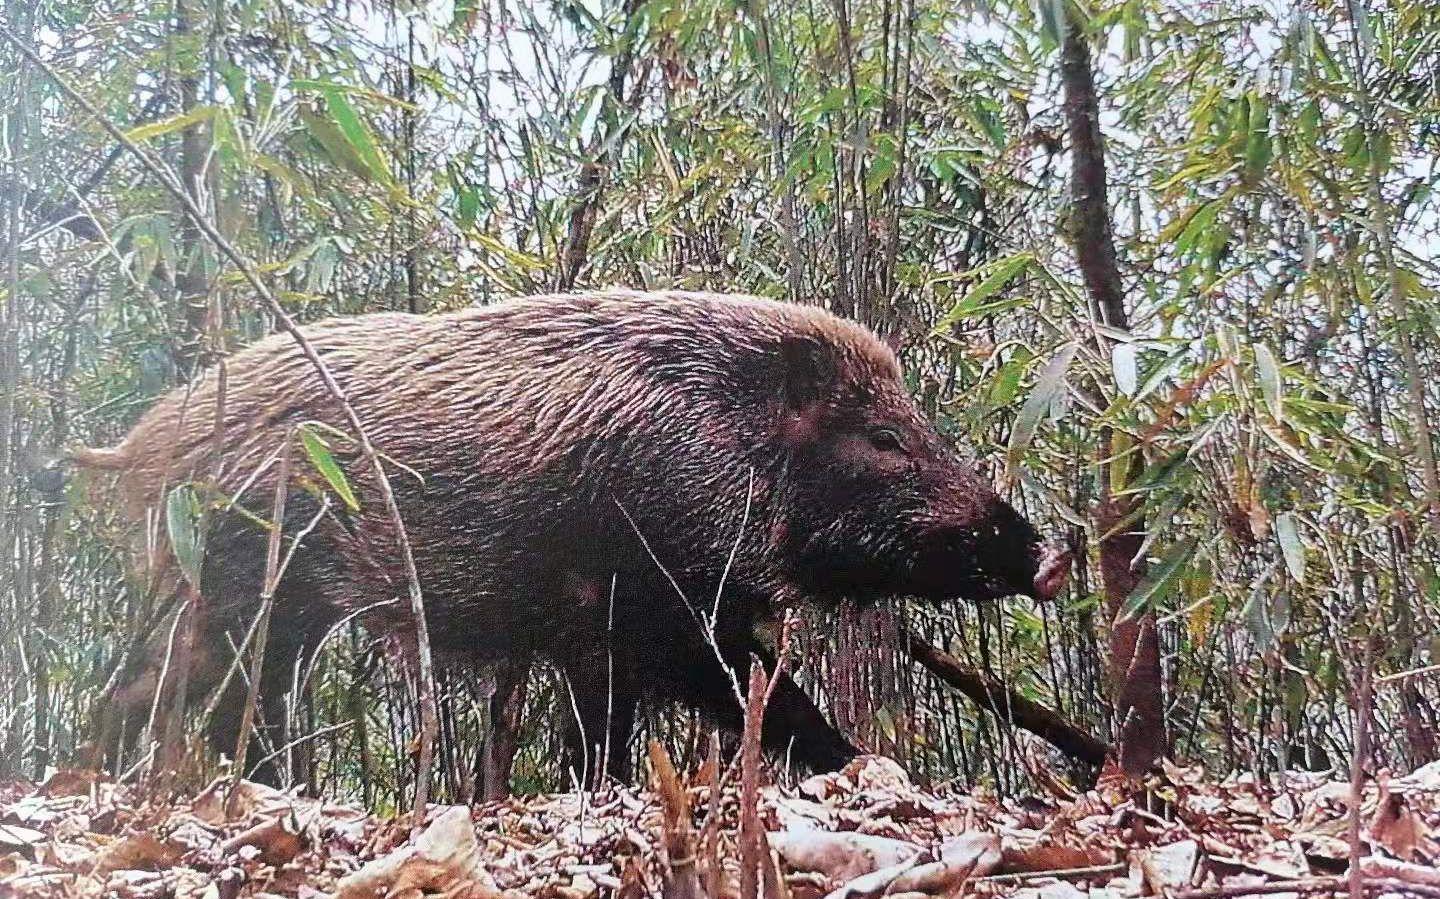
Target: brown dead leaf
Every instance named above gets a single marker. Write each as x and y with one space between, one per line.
1395 826
249 799
873 883
278 839
1169 868
1034 852
14 838
69 782
877 773
962 858
136 852
444 859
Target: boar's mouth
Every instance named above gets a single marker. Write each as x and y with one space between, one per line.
1003 557
1033 569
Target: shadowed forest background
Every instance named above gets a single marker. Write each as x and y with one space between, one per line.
1229 417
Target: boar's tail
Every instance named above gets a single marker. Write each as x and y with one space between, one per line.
104 459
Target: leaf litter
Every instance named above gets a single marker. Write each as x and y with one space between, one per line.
860 833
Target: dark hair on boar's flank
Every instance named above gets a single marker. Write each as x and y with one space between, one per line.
592 468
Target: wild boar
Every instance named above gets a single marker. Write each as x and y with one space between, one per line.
623 483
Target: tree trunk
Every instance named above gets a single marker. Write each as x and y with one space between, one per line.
192 286
590 185
1134 666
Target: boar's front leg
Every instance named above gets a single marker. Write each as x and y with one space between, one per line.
599 710
793 725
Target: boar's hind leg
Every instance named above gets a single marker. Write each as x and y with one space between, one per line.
598 723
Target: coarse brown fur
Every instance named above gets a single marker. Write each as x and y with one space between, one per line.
590 478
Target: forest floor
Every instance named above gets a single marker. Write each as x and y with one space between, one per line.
860 833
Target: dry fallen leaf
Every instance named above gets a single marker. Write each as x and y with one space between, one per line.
963 857
445 858
136 852
1169 868
278 839
1395 826
840 856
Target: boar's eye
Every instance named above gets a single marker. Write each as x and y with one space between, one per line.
887 440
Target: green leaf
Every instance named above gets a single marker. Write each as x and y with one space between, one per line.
1150 591
1271 388
1291 546
885 722
180 122
1196 224
998 274
333 142
184 523
467 207
355 132
1047 388
1006 382
319 454
1257 143
1052 20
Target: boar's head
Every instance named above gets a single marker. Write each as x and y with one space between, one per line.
879 504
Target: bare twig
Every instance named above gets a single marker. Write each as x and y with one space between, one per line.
1303 885
267 603
750 835
1057 873
303 738
1362 752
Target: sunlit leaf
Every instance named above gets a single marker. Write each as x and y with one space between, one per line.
1271 388
997 275
1123 363
356 132
333 141
195 116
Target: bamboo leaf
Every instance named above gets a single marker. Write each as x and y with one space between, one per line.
318 451
330 138
356 132
1155 586
1268 371
1047 388
1291 547
1052 20
184 524
999 273
180 122
1257 143
1123 363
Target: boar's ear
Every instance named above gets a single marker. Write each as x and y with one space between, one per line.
807 368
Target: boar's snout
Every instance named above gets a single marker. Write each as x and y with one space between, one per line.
1000 555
